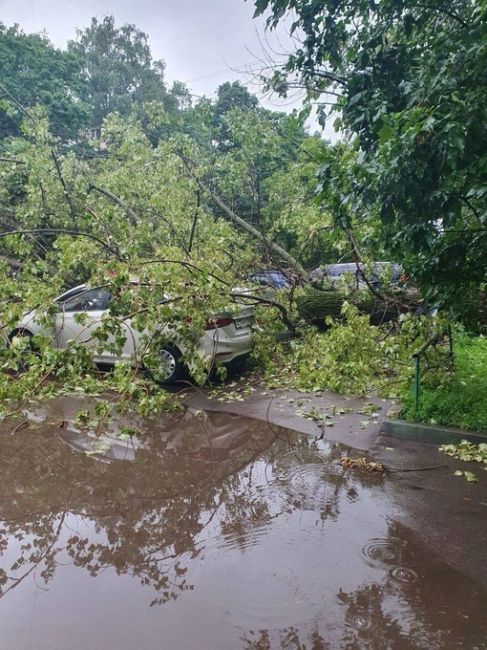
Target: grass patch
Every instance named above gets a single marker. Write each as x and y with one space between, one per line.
459 398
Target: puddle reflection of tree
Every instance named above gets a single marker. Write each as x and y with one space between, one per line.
296 478
289 638
224 478
147 517
420 604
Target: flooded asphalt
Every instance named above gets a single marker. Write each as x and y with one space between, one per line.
213 532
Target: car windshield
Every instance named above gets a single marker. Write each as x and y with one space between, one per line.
84 299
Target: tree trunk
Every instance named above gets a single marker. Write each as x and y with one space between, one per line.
275 248
314 305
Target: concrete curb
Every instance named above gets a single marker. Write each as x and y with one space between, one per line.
422 432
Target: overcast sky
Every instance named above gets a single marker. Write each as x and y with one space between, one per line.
203 42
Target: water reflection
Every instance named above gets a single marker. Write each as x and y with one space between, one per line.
250 537
424 605
289 638
145 515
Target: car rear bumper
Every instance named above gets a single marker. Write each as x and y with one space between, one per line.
225 349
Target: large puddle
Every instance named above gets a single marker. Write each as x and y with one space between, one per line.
216 532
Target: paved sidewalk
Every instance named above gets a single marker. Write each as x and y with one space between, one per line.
355 422
448 513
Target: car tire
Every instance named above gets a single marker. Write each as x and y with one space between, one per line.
240 363
171 368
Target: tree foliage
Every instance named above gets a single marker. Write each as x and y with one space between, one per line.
187 200
105 69
119 68
135 208
70 232
410 79
34 72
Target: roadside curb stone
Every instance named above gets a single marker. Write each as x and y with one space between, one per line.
433 433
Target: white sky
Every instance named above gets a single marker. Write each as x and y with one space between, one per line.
203 42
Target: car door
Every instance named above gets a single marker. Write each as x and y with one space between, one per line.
79 315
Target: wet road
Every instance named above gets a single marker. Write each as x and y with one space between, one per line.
217 532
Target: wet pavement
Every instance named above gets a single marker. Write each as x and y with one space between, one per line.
222 532
352 421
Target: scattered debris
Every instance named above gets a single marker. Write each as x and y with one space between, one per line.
21 425
320 417
341 410
82 417
100 447
369 409
470 476
468 452
127 432
361 463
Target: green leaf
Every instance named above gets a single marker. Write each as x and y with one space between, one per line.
385 132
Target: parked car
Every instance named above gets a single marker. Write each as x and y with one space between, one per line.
375 273
270 278
268 282
226 337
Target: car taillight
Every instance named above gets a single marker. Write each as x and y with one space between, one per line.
213 323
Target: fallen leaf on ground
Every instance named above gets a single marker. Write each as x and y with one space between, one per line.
362 462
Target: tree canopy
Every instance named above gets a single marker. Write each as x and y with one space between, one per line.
118 66
190 197
409 80
105 69
34 72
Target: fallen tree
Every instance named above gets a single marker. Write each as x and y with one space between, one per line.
315 305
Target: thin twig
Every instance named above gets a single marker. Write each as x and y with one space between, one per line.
63 231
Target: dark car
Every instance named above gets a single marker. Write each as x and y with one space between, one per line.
270 278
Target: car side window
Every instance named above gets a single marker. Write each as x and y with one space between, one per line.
90 300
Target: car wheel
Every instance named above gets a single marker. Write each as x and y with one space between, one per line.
170 368
240 364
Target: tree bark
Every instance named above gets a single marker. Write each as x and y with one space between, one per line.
278 250
15 264
315 305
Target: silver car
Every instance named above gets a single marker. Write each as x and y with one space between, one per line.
226 337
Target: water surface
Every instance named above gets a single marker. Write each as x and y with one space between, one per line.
215 532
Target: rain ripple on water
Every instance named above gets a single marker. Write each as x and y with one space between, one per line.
386 552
